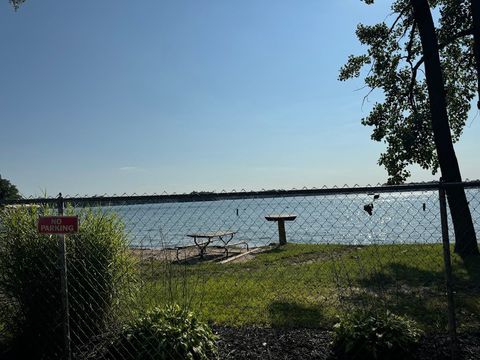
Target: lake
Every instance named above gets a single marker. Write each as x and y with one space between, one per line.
397 217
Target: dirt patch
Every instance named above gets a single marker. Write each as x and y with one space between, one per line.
187 255
313 257
393 290
268 343
243 259
250 255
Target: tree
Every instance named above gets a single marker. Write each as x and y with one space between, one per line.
428 77
8 191
16 3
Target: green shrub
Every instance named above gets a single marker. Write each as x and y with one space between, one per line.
172 333
99 275
375 335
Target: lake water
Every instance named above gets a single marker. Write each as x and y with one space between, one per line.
329 219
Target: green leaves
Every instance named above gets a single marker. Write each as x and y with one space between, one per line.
169 333
8 191
16 3
393 64
375 335
353 66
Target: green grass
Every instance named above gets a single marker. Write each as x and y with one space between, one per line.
308 285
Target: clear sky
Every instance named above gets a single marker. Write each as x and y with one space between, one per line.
118 96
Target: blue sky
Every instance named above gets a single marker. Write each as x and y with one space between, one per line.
180 95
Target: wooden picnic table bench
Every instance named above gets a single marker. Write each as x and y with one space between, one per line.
208 237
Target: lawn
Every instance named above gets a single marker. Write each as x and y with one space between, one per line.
300 285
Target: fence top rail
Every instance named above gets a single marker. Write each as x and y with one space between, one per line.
240 195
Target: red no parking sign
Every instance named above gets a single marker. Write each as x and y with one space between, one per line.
58 224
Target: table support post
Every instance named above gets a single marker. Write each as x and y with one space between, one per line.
282 237
201 247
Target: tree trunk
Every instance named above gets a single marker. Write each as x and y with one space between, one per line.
465 238
475 7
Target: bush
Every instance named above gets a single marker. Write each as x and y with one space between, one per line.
371 335
172 333
99 274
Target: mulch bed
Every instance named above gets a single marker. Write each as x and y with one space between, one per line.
270 343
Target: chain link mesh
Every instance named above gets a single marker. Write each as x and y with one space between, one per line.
346 248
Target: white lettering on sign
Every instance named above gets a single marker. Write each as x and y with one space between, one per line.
57 224
56 227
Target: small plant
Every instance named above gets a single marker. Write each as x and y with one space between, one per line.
172 333
375 335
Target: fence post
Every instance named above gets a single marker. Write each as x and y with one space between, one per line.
452 323
62 250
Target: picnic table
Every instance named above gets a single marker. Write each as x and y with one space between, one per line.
206 238
281 218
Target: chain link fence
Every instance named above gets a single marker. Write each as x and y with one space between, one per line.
219 254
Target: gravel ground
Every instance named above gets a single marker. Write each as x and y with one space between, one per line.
267 343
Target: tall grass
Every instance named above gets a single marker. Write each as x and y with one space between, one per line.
100 272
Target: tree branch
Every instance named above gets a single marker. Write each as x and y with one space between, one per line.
421 61
398 19
411 97
445 44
